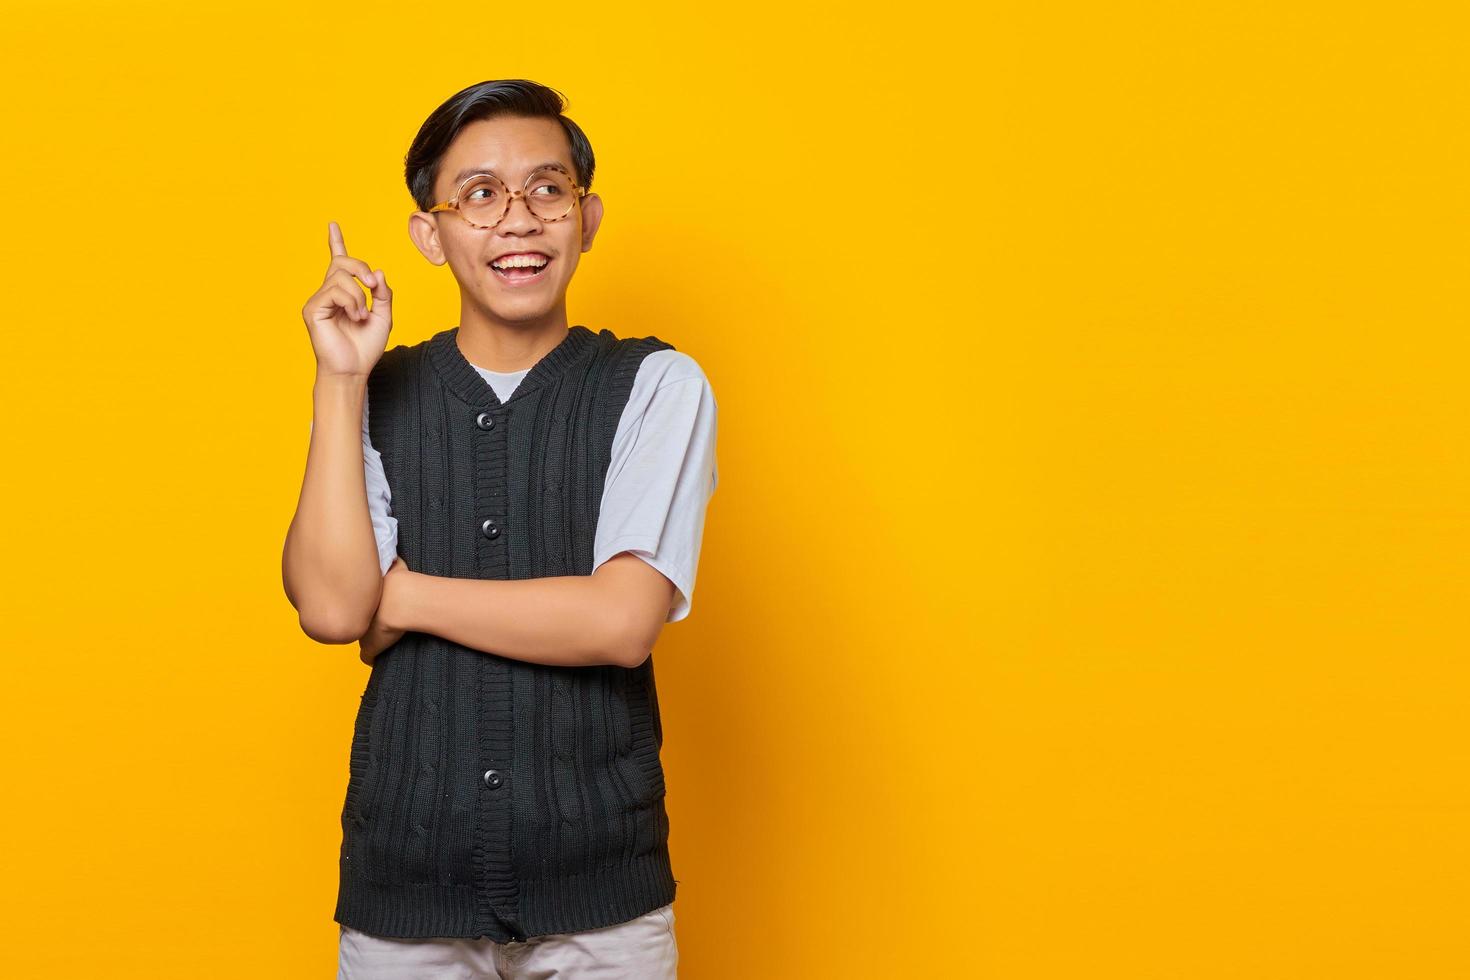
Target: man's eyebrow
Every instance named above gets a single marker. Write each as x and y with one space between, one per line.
468 171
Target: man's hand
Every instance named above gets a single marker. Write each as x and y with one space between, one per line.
383 632
346 335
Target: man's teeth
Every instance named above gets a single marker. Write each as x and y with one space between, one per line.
520 262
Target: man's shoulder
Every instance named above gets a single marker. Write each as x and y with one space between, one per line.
670 366
660 362
395 357
402 350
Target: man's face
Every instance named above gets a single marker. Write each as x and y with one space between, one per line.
512 148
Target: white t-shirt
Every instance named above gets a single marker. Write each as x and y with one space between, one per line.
661 475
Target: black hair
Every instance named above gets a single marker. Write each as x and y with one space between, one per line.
484 100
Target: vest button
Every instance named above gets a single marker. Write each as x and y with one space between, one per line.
485 421
489 529
492 778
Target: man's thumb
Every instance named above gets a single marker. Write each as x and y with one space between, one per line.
381 291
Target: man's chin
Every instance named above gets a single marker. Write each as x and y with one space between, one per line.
518 310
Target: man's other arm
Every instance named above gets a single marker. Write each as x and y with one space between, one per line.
613 616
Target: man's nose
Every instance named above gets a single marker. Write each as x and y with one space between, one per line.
518 216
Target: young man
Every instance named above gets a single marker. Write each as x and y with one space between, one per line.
534 495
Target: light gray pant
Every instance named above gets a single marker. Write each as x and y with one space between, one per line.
639 949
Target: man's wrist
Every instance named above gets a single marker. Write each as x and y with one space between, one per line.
339 382
402 591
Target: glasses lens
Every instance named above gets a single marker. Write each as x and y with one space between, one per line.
482 201
549 194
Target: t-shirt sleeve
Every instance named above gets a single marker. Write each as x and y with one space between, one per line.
379 497
661 476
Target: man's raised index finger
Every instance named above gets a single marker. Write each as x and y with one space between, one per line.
334 239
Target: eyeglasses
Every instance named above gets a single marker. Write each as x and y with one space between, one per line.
483 200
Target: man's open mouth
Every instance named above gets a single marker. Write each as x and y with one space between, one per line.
522 268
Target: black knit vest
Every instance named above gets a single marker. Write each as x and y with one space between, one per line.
488 796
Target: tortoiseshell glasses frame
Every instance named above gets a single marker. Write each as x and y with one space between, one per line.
453 204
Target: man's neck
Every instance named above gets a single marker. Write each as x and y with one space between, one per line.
509 347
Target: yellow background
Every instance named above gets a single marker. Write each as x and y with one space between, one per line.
1085 590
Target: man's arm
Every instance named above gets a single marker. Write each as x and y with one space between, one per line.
613 616
330 565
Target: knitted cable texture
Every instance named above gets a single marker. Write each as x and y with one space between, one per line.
488 796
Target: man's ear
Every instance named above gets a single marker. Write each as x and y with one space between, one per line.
424 231
591 219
